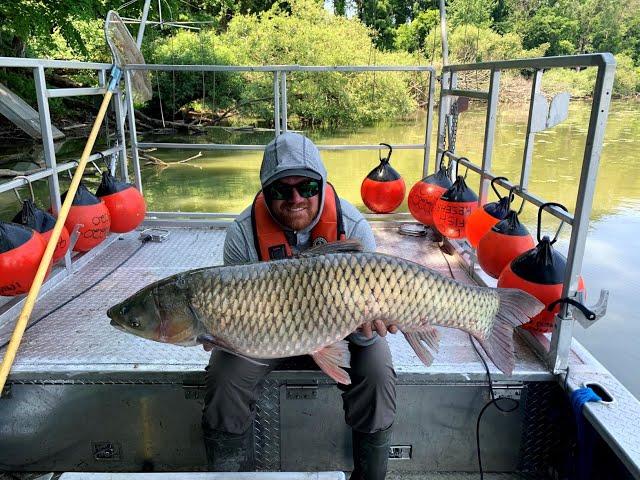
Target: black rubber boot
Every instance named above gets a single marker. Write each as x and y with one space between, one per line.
370 455
228 452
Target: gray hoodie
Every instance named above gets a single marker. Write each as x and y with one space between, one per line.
294 154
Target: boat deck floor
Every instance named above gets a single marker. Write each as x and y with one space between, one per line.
75 342
77 339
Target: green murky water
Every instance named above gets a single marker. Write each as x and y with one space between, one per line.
227 181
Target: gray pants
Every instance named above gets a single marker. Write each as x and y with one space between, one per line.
233 386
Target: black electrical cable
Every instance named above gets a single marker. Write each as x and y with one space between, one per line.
494 400
144 241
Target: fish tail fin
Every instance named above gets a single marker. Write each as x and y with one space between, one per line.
331 358
516 308
428 335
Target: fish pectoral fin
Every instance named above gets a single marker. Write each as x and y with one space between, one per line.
427 334
208 339
331 358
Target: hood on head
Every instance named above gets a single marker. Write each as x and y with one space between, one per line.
292 154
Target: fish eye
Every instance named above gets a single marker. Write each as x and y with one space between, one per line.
124 310
134 324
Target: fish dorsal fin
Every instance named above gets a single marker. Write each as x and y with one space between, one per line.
331 358
341 246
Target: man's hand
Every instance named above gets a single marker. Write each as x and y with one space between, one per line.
367 328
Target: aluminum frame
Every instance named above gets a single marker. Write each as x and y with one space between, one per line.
43 93
280 90
557 354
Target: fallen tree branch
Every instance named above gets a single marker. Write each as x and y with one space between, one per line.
180 126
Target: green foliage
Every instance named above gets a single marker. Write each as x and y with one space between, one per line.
411 36
471 12
631 39
548 25
581 83
180 90
303 33
469 44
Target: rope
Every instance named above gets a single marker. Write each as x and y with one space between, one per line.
585 432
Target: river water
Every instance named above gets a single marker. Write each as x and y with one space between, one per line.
228 181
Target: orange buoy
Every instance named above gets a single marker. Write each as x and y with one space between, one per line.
92 215
43 222
453 209
482 219
383 189
540 272
426 192
21 249
502 243
124 201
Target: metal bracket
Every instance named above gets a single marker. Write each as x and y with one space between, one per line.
400 452
599 309
73 236
302 392
547 116
193 392
512 390
158 235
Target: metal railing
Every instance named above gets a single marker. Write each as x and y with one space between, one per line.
43 94
556 353
280 106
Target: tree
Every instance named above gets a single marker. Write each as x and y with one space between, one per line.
471 12
548 25
411 36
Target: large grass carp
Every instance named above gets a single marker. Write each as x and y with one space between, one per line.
308 305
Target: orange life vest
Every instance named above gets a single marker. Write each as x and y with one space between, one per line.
269 239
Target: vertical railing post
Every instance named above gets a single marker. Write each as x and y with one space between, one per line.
443 108
283 99
563 328
489 133
429 127
531 135
121 139
49 149
276 102
133 136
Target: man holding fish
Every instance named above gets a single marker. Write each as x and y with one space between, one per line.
317 288
298 209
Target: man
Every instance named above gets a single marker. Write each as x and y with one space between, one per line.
296 210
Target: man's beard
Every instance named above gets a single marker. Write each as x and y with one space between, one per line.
295 220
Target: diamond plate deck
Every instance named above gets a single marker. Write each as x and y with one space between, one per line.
77 339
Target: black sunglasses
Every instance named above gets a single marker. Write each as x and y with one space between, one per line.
282 191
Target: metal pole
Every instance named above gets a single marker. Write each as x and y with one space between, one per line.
562 332
276 102
531 135
443 34
49 149
122 142
133 136
143 22
489 133
442 114
283 98
429 128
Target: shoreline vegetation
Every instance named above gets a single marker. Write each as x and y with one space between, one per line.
312 32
